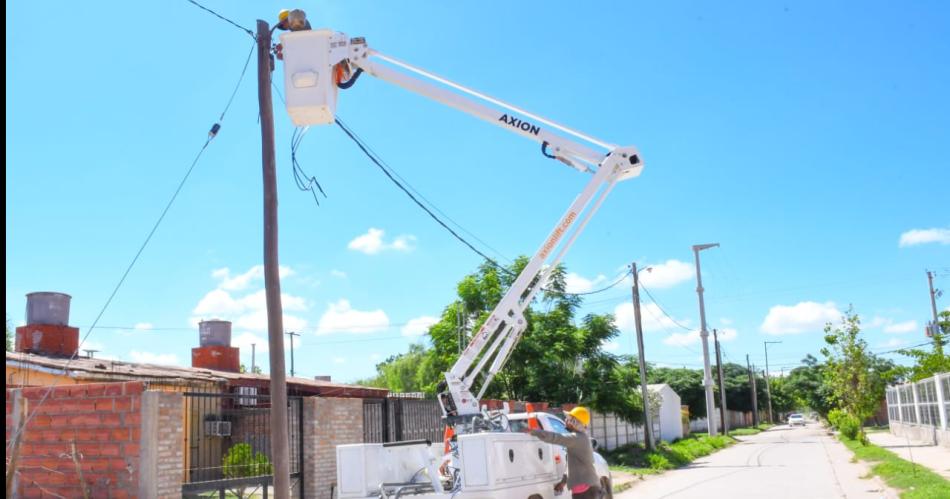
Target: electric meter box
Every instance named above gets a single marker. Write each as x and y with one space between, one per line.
309 88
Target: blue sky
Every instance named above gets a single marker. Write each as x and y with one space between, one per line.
808 138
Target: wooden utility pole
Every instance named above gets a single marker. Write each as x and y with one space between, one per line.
280 449
755 395
647 412
722 385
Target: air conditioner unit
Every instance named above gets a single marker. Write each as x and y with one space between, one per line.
218 428
251 395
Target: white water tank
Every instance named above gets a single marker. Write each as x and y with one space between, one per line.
46 307
214 333
309 87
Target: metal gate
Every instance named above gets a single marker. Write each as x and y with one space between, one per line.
398 419
227 445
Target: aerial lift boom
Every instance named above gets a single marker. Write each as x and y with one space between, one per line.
314 61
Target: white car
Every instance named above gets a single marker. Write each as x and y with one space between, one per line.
522 422
796 419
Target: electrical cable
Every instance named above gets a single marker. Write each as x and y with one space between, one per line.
378 163
219 16
212 133
661 308
304 181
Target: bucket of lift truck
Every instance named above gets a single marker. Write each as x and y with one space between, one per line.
310 89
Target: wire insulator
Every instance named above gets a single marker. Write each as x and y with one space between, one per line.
214 130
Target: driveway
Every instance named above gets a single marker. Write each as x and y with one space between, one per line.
780 463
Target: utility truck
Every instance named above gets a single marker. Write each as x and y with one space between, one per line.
484 459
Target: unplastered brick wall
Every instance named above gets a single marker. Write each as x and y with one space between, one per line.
327 422
80 436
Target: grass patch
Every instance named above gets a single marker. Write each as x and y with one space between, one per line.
914 481
740 432
635 459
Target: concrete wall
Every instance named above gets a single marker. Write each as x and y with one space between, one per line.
327 422
671 427
927 434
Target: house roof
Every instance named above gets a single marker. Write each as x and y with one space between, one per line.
105 370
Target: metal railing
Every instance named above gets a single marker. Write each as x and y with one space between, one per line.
924 403
227 443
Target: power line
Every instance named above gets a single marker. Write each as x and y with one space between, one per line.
215 128
359 143
668 316
219 16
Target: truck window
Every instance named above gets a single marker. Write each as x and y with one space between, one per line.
557 425
518 425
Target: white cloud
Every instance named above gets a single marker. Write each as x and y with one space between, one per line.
610 346
242 281
143 326
651 316
894 343
807 316
419 326
338 274
890 326
154 358
373 242
575 283
924 236
339 360
375 356
691 337
247 311
725 321
682 339
245 340
340 317
901 327
667 274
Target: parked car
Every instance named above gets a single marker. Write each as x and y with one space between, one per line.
525 421
796 419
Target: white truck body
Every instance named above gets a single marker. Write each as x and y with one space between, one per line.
492 465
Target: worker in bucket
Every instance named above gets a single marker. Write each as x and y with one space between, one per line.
293 20
581 476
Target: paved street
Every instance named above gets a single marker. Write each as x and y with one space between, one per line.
780 463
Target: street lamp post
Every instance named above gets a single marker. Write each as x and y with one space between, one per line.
648 436
768 387
704 335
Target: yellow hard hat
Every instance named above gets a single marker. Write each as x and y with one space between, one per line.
283 14
581 414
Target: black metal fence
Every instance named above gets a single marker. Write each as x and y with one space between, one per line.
227 445
398 419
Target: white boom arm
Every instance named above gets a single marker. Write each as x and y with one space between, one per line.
310 57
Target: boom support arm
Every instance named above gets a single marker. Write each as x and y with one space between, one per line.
494 342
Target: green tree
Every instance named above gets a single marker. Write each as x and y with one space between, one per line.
687 383
849 370
808 387
257 369
930 362
241 461
559 358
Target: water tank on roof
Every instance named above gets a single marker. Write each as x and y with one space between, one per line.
47 308
214 333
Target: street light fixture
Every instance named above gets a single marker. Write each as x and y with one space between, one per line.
704 335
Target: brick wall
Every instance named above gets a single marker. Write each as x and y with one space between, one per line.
162 460
327 422
101 421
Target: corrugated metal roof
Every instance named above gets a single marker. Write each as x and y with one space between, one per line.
105 370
